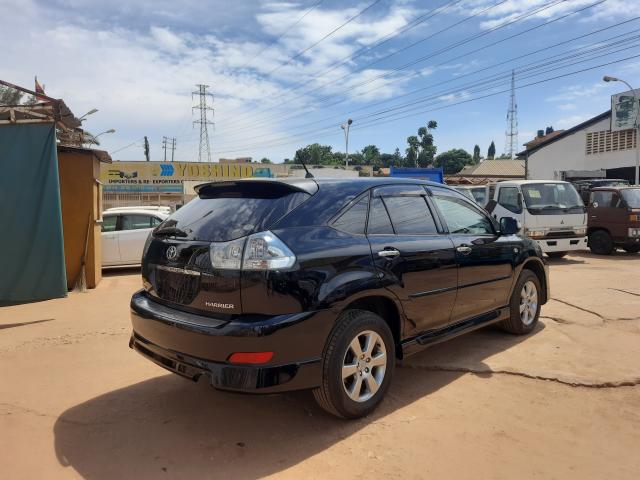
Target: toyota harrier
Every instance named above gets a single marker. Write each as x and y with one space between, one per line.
268 285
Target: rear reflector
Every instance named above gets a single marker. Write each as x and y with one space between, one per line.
251 358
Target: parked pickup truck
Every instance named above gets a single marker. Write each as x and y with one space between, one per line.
549 211
614 219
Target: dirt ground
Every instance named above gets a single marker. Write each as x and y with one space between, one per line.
562 403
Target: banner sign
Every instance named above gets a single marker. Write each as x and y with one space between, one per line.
624 110
168 177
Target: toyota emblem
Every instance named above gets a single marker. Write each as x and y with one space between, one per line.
172 252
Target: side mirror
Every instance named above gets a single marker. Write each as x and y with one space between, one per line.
508 226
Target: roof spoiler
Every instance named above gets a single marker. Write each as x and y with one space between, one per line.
255 187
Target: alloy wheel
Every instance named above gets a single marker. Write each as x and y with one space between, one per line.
528 302
364 366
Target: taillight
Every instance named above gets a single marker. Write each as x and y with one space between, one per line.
250 358
265 251
634 217
260 251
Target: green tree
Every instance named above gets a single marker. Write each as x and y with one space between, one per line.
491 153
421 154
452 161
371 155
265 160
413 150
476 154
10 96
314 154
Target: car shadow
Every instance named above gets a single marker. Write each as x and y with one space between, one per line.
169 425
119 271
617 255
564 261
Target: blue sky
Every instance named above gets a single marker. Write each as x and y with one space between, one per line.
280 85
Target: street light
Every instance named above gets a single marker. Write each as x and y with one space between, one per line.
608 78
90 112
345 127
111 130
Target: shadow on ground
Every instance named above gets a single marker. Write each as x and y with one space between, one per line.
120 271
170 425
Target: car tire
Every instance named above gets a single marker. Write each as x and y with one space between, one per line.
556 254
357 394
601 243
631 248
524 305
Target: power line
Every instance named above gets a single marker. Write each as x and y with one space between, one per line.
204 122
284 32
396 117
430 14
323 104
446 49
301 52
556 61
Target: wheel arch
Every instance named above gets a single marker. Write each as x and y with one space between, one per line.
537 267
591 230
387 309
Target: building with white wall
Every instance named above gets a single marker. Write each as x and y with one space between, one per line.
588 150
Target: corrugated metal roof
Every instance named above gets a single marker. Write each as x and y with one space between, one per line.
495 168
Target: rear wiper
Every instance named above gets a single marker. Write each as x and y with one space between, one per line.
170 231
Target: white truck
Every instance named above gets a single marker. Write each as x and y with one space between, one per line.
548 211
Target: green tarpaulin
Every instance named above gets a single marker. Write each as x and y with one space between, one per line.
31 243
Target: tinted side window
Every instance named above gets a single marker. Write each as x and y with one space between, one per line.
410 215
509 199
155 221
354 220
109 223
379 222
463 218
135 222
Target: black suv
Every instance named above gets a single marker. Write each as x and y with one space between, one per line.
264 286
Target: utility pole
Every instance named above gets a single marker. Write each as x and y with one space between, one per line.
146 148
205 152
511 133
168 143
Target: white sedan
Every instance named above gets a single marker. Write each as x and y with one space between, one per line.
124 232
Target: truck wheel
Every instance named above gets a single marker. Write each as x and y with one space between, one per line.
524 305
357 366
632 248
601 243
556 254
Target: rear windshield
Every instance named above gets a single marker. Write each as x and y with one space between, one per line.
632 197
220 214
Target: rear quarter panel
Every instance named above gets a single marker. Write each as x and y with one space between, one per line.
331 266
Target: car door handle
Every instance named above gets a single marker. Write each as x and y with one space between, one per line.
388 253
464 249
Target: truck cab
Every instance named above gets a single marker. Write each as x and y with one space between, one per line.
614 219
548 211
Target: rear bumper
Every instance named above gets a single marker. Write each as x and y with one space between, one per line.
191 348
562 244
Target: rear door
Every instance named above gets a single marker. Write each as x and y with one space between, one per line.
110 246
134 230
485 259
177 267
416 261
606 210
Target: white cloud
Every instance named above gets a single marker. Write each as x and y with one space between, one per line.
571 121
141 79
513 9
580 92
